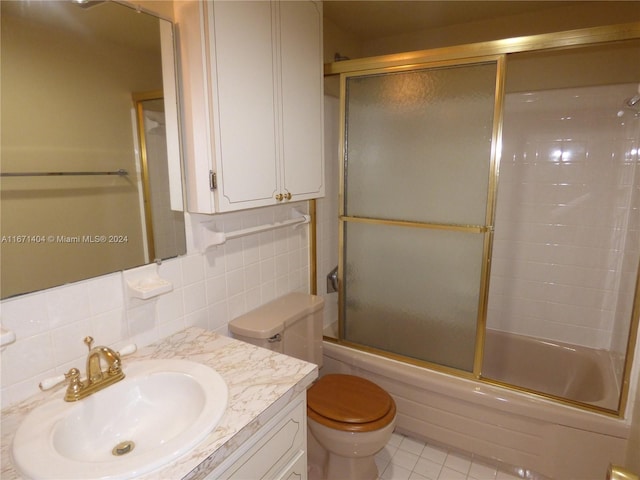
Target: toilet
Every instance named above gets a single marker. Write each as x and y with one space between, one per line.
349 418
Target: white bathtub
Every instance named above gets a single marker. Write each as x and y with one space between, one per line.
527 431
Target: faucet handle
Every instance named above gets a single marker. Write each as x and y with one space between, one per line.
48 383
127 350
73 375
75 385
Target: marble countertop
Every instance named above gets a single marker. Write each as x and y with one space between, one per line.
261 383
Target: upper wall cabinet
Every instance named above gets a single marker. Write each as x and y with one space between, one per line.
252 85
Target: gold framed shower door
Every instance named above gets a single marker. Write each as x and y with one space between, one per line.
461 55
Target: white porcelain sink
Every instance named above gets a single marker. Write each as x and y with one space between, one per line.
160 411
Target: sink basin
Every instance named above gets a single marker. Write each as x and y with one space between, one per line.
161 410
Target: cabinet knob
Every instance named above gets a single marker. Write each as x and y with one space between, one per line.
279 197
287 196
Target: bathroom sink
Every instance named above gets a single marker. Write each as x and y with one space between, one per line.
161 410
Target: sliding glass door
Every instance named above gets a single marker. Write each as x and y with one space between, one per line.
417 206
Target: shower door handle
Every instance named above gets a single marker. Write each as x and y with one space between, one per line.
332 281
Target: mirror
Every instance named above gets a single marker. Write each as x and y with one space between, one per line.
91 180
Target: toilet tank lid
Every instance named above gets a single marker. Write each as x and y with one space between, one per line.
273 317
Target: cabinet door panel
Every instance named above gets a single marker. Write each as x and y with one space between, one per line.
302 98
243 75
276 451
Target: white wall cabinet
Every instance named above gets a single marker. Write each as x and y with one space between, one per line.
252 102
276 451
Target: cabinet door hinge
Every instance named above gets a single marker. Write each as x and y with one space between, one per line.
213 180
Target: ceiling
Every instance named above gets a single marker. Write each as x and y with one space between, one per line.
368 20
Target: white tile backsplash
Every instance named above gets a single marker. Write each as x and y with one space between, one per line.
26 314
209 290
105 294
68 304
192 269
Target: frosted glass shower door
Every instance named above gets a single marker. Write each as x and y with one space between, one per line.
416 185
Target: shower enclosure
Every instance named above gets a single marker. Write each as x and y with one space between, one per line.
418 207
490 201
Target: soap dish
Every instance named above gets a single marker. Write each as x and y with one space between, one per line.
148 287
145 282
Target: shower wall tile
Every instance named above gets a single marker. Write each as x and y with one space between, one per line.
559 239
210 289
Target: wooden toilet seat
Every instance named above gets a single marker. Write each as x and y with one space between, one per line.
349 403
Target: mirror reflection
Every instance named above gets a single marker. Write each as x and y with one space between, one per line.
88 143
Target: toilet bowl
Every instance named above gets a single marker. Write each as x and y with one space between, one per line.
352 419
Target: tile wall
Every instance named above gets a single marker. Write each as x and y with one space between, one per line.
567 217
209 290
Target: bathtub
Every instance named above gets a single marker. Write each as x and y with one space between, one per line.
508 427
576 373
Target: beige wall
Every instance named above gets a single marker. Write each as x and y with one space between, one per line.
600 65
162 8
337 41
587 14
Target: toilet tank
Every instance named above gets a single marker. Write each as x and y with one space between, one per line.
291 324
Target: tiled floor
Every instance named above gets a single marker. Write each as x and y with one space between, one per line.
405 458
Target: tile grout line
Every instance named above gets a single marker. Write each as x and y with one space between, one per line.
420 460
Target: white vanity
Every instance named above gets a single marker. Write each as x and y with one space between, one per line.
262 434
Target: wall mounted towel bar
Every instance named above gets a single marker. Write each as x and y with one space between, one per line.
121 172
265 228
209 237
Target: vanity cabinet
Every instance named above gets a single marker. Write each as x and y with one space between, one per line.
276 451
252 102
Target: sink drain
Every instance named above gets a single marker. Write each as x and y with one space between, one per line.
123 448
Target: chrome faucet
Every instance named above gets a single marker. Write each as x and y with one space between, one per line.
97 378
